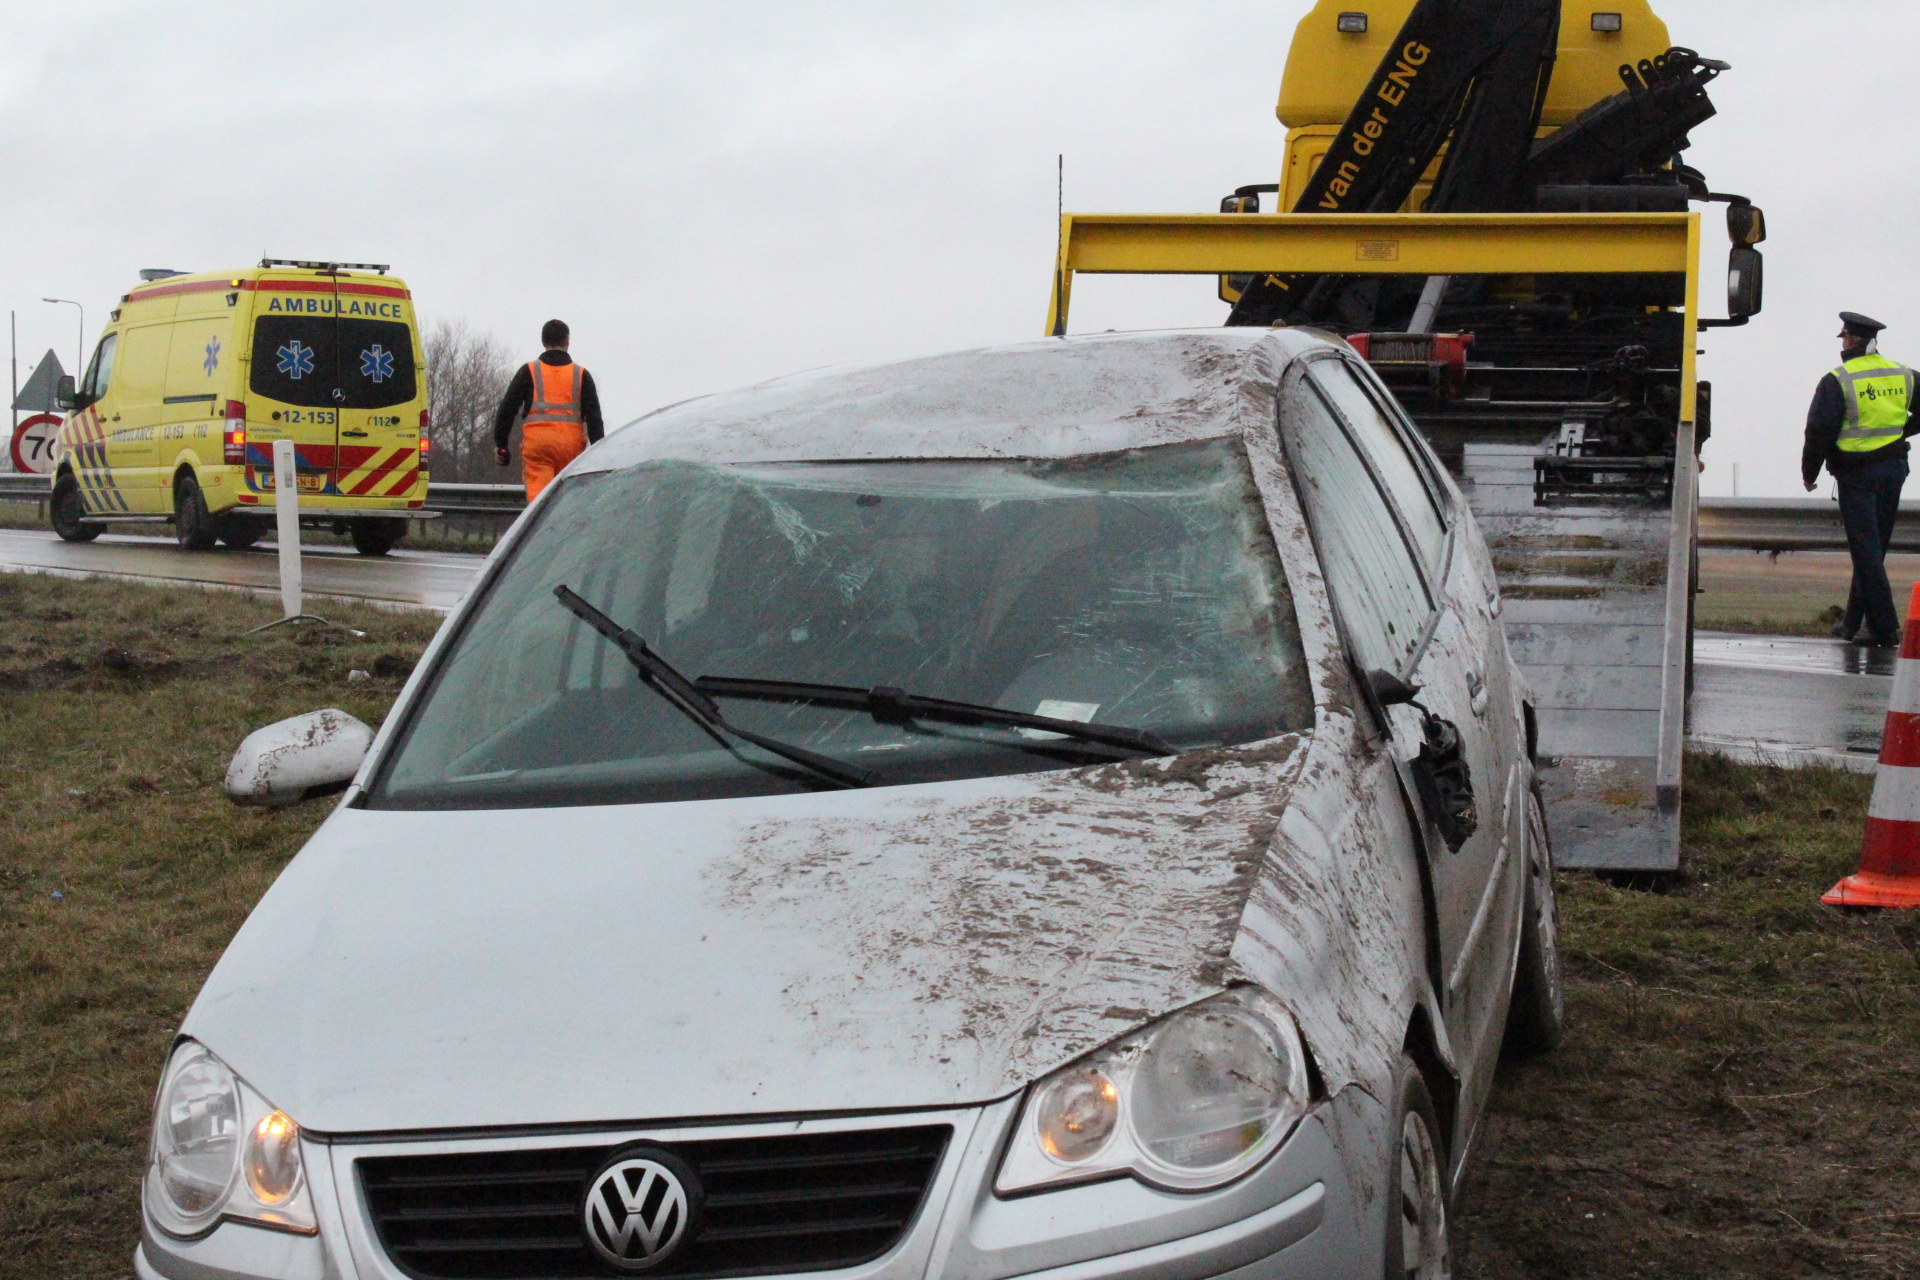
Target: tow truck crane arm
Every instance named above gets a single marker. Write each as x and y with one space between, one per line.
1478 69
1472 76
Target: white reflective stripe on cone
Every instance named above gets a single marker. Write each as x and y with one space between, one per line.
1906 686
1896 793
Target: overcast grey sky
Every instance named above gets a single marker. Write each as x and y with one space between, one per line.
713 194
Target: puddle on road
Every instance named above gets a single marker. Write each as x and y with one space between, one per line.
1789 699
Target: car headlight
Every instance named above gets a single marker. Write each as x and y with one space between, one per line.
222 1152
1191 1102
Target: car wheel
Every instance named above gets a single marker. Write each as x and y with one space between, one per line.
377 537
1417 1244
240 533
193 526
66 511
1538 1013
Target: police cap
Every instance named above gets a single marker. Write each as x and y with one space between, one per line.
1865 326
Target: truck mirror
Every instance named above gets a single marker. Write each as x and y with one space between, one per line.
63 396
1743 283
292 760
1746 224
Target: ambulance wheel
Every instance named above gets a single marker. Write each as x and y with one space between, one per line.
1538 1014
66 509
241 533
193 526
377 537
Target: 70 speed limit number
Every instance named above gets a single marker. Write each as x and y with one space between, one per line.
34 443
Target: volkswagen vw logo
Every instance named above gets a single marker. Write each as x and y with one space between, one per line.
638 1208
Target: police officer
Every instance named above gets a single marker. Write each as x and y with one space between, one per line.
562 407
1857 428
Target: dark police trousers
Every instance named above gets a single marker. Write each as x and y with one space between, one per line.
1869 503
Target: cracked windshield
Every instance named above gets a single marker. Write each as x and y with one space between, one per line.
1135 590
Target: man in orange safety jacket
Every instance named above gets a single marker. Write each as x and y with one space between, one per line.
562 409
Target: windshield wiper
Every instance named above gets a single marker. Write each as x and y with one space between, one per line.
663 678
889 705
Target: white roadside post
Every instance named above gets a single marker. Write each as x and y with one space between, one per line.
286 518
286 513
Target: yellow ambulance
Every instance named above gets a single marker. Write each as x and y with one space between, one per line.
197 375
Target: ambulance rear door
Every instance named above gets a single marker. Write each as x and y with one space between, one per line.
294 383
380 375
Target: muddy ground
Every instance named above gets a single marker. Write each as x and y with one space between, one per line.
1798 593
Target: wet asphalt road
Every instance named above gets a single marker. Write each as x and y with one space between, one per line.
1757 697
422 579
1789 699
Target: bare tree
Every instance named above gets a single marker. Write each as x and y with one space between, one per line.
467 373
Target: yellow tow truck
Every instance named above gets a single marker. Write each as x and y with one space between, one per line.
1487 199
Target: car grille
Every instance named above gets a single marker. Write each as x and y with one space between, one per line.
793 1202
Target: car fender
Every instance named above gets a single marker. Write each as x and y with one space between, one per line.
1335 925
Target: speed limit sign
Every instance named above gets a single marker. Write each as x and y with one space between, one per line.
33 443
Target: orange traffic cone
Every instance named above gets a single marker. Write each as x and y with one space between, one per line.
1889 874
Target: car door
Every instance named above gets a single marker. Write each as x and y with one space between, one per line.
1386 543
1468 636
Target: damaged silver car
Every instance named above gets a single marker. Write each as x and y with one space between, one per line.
1059 809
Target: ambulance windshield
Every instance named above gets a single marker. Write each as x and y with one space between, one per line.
1136 589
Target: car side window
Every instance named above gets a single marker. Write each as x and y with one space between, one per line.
1370 570
1380 436
100 371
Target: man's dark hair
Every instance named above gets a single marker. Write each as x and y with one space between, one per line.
553 333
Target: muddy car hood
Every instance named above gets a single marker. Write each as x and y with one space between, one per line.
909 946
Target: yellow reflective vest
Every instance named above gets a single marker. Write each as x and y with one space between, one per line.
1877 393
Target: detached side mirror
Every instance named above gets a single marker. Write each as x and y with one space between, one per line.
1744 280
63 393
1390 690
293 760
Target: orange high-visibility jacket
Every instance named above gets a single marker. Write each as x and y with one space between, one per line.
556 394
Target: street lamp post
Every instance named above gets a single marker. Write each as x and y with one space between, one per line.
80 349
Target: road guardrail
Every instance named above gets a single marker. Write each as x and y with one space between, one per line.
19 487
448 498
476 499
1754 524
1790 524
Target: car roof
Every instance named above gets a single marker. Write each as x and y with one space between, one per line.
1054 397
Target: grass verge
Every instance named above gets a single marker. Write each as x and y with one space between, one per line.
22 515
124 871
1737 1094
1800 593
